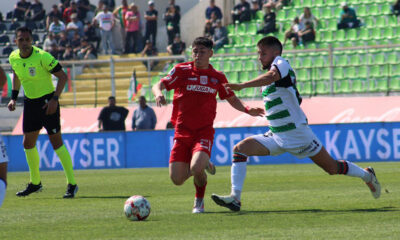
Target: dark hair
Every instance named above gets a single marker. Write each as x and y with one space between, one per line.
23 29
203 41
111 98
270 41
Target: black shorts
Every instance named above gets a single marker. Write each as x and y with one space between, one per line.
35 116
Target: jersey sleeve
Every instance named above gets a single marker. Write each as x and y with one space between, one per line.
223 92
173 79
282 66
48 61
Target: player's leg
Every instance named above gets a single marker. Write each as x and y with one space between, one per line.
199 163
324 160
179 162
32 158
257 145
66 162
3 170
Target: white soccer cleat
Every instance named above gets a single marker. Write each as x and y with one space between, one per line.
211 168
373 185
227 201
198 205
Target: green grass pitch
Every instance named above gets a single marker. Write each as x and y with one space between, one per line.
278 202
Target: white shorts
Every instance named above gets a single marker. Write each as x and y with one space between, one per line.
310 147
3 152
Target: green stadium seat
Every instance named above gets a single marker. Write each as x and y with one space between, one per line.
354 59
392 21
369 22
321 87
237 66
227 66
380 21
358 86
307 62
388 32
362 72
351 34
233 77
291 15
379 85
302 75
243 76
324 74
341 60
251 29
362 11
373 9
385 9
280 16
375 33
250 92
330 2
394 84
231 29
319 61
318 3
350 73
305 88
338 73
250 65
260 15
392 58
241 29
364 34
342 86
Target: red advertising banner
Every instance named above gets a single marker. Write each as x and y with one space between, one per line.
319 110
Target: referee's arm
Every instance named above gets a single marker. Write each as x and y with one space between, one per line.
16 85
62 79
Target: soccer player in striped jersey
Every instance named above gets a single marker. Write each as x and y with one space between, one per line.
288 130
3 153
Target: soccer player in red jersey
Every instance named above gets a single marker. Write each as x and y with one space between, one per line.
196 86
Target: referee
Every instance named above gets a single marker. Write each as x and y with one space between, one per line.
32 67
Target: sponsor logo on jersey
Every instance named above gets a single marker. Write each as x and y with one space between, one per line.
198 88
214 80
203 80
32 71
193 79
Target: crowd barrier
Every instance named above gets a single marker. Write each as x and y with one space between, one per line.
144 149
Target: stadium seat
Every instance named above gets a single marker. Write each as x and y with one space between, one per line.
321 87
243 76
358 86
394 84
305 88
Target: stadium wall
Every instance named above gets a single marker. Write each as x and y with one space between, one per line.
144 149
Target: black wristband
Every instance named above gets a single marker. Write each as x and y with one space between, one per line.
54 97
14 94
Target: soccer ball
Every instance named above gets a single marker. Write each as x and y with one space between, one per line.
137 208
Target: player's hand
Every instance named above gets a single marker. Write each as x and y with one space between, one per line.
257 112
160 100
11 105
51 106
233 86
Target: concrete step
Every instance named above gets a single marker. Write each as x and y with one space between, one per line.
107 75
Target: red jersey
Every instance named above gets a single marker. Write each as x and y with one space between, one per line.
195 103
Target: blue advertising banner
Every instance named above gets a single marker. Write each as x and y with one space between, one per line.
353 142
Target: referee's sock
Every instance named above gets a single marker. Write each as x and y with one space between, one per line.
32 157
2 191
66 162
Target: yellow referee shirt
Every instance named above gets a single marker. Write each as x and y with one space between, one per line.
34 72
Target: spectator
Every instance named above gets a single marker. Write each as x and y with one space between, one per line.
292 33
85 12
110 4
348 17
151 23
277 4
172 19
62 43
49 42
149 50
106 22
143 117
20 9
254 9
90 33
172 3
269 21
54 50
119 16
56 27
132 27
112 117
208 30
76 43
307 16
55 12
87 51
64 4
213 20
75 26
241 12
68 53
69 11
396 8
35 12
177 47
213 9
7 49
220 37
99 8
306 35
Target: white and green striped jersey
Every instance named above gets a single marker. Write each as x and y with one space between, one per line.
282 100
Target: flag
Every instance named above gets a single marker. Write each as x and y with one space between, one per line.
134 87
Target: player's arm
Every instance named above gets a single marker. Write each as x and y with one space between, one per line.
100 125
16 85
262 80
62 80
159 96
236 103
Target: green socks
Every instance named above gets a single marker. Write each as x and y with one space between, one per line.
32 157
66 162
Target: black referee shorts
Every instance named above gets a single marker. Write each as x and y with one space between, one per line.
35 116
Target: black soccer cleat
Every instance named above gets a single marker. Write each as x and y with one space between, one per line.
71 191
227 201
30 188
